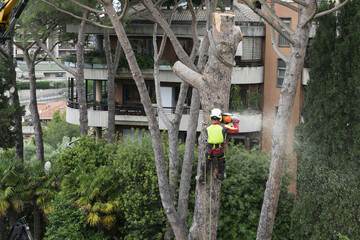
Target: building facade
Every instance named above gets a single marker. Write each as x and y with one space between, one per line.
256 79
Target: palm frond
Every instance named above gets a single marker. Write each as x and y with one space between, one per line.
93 219
18 205
108 221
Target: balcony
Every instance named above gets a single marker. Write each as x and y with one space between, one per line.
250 121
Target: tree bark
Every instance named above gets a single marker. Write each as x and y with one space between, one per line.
2 228
30 63
14 100
214 90
111 90
80 86
180 230
11 216
112 65
37 221
287 96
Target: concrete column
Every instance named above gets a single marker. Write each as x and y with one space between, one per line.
98 132
247 143
98 96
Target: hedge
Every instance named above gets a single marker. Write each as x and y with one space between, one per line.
41 85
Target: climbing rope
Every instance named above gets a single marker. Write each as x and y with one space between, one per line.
210 199
211 177
205 199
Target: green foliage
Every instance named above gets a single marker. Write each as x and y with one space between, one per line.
50 153
86 151
242 195
254 100
143 61
66 221
58 128
236 101
41 85
328 141
40 20
141 207
115 186
7 111
12 184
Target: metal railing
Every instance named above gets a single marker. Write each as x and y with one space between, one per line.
125 109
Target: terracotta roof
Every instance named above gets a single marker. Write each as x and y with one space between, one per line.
47 110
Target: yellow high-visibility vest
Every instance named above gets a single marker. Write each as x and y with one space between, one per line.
215 134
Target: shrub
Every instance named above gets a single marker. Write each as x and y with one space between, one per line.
242 196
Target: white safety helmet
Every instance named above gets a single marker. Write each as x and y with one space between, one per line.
216 112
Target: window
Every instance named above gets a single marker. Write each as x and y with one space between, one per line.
131 94
143 46
280 72
282 41
251 48
186 44
59 74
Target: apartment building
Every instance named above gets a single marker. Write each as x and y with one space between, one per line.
255 79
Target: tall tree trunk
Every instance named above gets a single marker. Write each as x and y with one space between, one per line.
287 96
186 172
11 216
14 100
179 229
112 65
33 108
214 89
111 90
2 228
80 85
37 221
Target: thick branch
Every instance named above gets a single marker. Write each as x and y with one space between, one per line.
4 53
276 47
88 8
123 10
268 19
286 4
273 16
332 10
69 70
188 75
300 2
165 26
77 17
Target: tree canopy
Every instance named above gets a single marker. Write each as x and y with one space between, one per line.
7 111
328 140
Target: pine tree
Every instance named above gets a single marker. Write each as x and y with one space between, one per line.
7 111
328 140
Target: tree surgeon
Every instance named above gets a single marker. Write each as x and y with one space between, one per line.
217 137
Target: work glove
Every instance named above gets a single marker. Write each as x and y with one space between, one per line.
235 119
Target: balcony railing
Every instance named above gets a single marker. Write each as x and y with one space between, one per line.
134 110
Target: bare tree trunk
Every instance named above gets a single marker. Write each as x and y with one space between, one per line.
37 221
287 97
33 107
214 89
179 229
2 228
14 100
112 65
11 216
111 90
80 86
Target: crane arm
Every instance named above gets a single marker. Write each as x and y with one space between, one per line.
8 18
